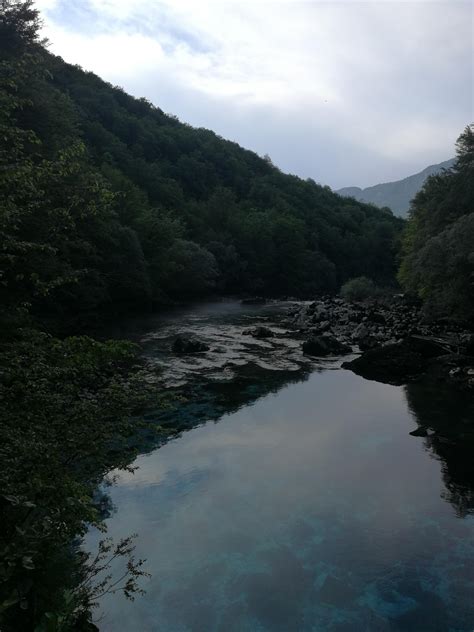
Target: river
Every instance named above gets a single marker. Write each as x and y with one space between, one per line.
305 504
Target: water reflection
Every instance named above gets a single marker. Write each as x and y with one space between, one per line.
311 509
448 416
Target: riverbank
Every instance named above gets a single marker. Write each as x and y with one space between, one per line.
397 344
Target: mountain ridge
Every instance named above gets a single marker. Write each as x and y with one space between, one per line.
397 194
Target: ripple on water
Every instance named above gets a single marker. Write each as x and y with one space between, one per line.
230 349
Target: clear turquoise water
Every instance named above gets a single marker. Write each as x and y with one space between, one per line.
310 509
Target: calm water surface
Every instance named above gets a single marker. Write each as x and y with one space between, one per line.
310 509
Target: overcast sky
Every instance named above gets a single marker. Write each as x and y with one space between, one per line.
347 93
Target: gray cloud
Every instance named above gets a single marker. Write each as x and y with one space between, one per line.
345 93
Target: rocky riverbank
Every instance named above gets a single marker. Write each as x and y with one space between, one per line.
385 340
397 344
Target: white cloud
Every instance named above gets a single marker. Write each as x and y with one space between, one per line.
387 80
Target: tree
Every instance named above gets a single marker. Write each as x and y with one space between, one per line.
191 270
19 24
438 247
68 410
465 149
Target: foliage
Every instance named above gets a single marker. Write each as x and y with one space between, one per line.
438 248
359 289
190 269
19 23
107 202
101 194
67 415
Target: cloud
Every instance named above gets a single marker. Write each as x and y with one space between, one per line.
369 90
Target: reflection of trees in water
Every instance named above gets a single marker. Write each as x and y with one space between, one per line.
200 402
204 400
449 414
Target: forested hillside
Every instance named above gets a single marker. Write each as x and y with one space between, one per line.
113 202
438 261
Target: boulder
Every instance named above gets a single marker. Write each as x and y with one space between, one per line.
468 344
323 326
187 344
426 347
360 332
355 317
259 332
367 342
321 346
377 317
397 363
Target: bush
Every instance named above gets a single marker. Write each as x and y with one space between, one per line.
359 289
69 408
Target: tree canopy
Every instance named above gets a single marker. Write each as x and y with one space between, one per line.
438 247
107 201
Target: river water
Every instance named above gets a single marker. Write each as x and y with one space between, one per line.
305 505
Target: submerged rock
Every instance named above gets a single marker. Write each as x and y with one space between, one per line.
421 431
321 346
188 344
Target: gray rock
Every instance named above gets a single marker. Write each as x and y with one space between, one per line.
184 344
367 342
361 331
321 346
259 332
324 326
396 363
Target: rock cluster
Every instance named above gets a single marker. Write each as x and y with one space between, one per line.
321 346
397 344
367 324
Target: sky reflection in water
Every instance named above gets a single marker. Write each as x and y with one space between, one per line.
311 509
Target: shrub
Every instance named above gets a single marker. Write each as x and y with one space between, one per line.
359 289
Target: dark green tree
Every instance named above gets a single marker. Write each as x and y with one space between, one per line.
438 248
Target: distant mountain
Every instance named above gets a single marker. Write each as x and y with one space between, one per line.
396 195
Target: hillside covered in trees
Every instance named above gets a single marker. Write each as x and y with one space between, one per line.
438 245
111 201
